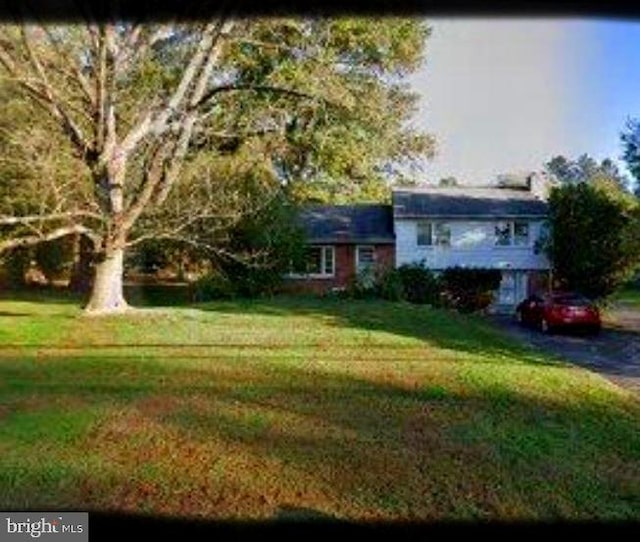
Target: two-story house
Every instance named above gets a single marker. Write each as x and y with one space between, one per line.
474 227
491 227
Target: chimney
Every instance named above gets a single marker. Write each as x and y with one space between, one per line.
540 185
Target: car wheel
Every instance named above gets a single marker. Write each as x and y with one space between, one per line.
595 331
545 327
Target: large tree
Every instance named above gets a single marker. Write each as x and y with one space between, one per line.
147 116
631 143
594 236
585 169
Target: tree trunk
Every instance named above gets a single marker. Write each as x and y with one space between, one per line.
107 296
82 271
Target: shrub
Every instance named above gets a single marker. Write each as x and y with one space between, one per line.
16 262
364 285
55 258
213 286
262 248
469 289
389 285
419 284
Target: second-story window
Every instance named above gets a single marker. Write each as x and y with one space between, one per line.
442 234
512 233
433 234
503 234
521 233
424 234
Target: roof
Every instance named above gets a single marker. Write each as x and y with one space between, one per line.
348 224
467 202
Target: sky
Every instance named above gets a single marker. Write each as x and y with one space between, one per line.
507 94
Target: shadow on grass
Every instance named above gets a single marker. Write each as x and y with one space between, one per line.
423 452
438 327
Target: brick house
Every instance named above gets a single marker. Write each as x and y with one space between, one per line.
342 241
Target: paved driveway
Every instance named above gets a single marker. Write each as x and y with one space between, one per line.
615 353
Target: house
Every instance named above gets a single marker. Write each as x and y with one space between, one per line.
343 240
491 227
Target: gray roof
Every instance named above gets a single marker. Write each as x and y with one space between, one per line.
466 201
348 224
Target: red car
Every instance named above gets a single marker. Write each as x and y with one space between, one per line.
559 310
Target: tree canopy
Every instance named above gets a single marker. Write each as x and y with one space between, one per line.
125 132
631 144
585 169
594 237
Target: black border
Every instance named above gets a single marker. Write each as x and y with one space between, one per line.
162 10
111 526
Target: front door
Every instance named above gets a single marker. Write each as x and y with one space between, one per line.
513 288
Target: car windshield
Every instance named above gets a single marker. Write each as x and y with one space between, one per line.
572 300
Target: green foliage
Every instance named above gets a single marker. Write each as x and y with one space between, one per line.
54 258
631 143
586 169
469 289
365 284
261 249
213 286
151 255
594 238
390 286
319 106
448 181
15 263
420 285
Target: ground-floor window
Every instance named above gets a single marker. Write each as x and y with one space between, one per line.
365 258
319 261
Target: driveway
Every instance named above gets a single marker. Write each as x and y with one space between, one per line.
614 353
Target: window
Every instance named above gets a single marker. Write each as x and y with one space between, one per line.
433 233
512 233
365 258
424 234
521 233
442 235
319 261
503 233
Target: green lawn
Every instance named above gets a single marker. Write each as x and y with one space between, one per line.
304 408
629 297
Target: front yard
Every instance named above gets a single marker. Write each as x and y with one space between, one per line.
342 409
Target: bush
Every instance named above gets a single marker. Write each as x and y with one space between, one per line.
262 248
389 285
469 289
213 286
16 262
419 284
55 258
364 285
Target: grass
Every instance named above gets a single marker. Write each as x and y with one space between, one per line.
304 408
628 297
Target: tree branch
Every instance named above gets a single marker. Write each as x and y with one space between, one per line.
20 220
31 240
159 124
47 97
261 88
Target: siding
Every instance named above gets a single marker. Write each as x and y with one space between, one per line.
472 244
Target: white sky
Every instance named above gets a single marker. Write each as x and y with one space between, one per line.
500 95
